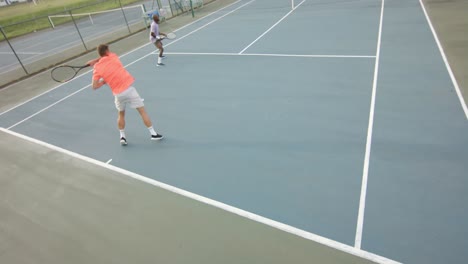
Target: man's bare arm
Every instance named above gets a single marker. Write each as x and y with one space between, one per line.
92 62
98 83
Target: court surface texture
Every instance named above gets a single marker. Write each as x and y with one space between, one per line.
333 132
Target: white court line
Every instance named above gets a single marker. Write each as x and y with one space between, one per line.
270 55
365 173
20 52
242 51
309 56
109 161
207 24
245 214
449 69
125 54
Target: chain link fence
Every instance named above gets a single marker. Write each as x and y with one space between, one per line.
33 45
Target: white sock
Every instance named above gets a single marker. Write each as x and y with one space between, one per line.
151 130
159 59
122 133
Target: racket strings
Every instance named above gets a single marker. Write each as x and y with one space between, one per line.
63 73
171 35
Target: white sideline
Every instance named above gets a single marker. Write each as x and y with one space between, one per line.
444 57
365 173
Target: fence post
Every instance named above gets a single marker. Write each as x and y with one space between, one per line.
123 12
170 7
78 30
191 7
14 52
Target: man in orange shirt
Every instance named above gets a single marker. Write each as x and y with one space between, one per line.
109 70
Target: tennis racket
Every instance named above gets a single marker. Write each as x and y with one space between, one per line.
171 35
65 73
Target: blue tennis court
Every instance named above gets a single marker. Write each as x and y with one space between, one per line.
339 118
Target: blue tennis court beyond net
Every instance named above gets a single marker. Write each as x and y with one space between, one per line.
337 118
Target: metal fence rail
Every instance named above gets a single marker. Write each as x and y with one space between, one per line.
33 45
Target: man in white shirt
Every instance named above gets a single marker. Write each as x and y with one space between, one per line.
156 37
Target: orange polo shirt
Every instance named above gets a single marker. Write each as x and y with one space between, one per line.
114 74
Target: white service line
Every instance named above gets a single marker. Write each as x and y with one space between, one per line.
310 55
242 51
365 173
449 69
234 210
109 161
272 55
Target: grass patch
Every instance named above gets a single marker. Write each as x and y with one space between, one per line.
24 18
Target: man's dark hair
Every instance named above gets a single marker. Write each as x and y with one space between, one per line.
102 49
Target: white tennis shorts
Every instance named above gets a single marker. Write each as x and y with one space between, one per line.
128 97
